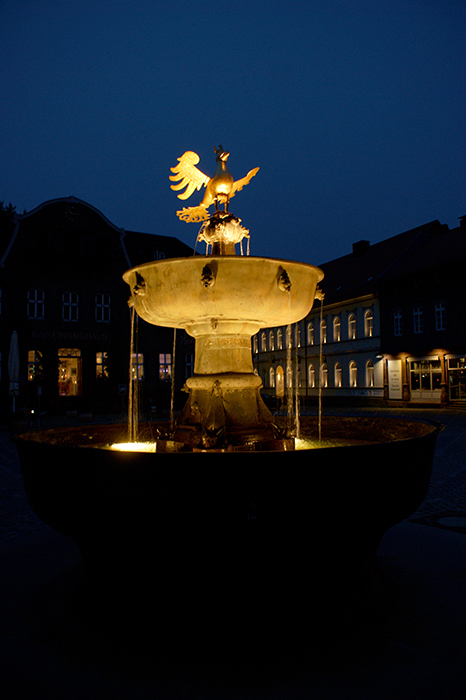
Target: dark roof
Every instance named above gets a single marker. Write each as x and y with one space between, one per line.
360 273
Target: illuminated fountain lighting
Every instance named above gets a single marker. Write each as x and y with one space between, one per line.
207 518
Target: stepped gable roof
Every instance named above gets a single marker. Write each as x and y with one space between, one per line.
361 272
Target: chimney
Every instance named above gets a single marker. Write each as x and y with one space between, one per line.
360 247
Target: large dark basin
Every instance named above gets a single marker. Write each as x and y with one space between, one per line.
185 529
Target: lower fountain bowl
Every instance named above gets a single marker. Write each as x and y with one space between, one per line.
187 525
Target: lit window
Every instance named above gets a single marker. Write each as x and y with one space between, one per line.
70 306
165 366
310 333
369 374
271 341
418 322
311 376
298 336
353 372
289 338
256 345
352 327
336 329
69 372
35 367
102 308
323 331
35 303
272 378
324 376
338 375
137 365
280 339
263 342
101 365
368 324
397 323
440 317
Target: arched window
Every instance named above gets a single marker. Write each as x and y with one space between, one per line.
311 376
336 329
323 331
310 333
324 376
298 336
280 339
338 375
351 327
289 337
369 374
271 341
368 324
353 374
256 344
272 378
263 342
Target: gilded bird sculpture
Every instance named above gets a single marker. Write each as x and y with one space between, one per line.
219 189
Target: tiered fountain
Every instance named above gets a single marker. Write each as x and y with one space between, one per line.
226 510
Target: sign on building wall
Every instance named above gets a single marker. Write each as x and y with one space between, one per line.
395 384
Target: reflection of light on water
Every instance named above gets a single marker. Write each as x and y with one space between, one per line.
305 444
134 446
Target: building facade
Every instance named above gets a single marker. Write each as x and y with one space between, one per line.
62 291
390 328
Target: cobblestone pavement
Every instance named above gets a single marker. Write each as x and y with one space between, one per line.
447 492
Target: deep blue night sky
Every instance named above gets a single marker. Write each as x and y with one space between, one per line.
355 113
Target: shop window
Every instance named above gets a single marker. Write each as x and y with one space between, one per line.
36 303
351 327
165 366
336 329
69 372
440 317
457 378
101 365
102 308
35 366
70 306
368 324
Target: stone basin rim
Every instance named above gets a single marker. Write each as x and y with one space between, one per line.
39 436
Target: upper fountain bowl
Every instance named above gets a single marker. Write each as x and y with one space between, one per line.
191 293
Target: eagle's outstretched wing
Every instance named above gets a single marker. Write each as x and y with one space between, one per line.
239 184
191 177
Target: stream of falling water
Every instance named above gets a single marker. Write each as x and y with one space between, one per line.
133 393
172 393
321 374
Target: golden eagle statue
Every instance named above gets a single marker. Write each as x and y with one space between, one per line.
219 189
